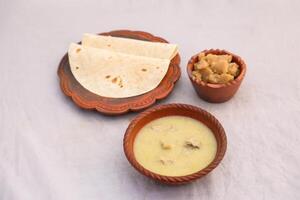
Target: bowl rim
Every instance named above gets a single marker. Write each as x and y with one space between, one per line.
237 80
129 152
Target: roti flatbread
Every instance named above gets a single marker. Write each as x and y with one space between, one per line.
131 46
116 75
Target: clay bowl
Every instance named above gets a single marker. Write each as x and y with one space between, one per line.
174 109
217 93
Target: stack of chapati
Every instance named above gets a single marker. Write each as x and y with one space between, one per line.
119 67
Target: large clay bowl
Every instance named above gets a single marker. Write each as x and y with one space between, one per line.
167 110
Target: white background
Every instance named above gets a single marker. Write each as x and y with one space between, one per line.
51 149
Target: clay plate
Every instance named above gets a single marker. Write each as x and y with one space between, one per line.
115 106
217 93
174 109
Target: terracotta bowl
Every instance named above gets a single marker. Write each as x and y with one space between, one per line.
217 93
174 109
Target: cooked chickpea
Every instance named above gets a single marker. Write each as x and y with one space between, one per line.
205 73
224 78
197 75
233 69
201 64
201 56
220 67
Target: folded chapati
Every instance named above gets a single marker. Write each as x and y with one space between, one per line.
131 46
116 75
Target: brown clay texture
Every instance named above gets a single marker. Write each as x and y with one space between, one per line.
116 106
174 109
217 93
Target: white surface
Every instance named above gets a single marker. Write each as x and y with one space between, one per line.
50 149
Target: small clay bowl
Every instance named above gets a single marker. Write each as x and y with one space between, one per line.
174 109
217 93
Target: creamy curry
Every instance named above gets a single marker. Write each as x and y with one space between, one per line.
175 146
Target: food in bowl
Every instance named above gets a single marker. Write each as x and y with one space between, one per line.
216 69
175 146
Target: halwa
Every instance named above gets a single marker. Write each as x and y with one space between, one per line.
215 69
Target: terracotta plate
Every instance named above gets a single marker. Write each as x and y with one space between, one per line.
115 106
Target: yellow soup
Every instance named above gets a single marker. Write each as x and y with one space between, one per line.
175 146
